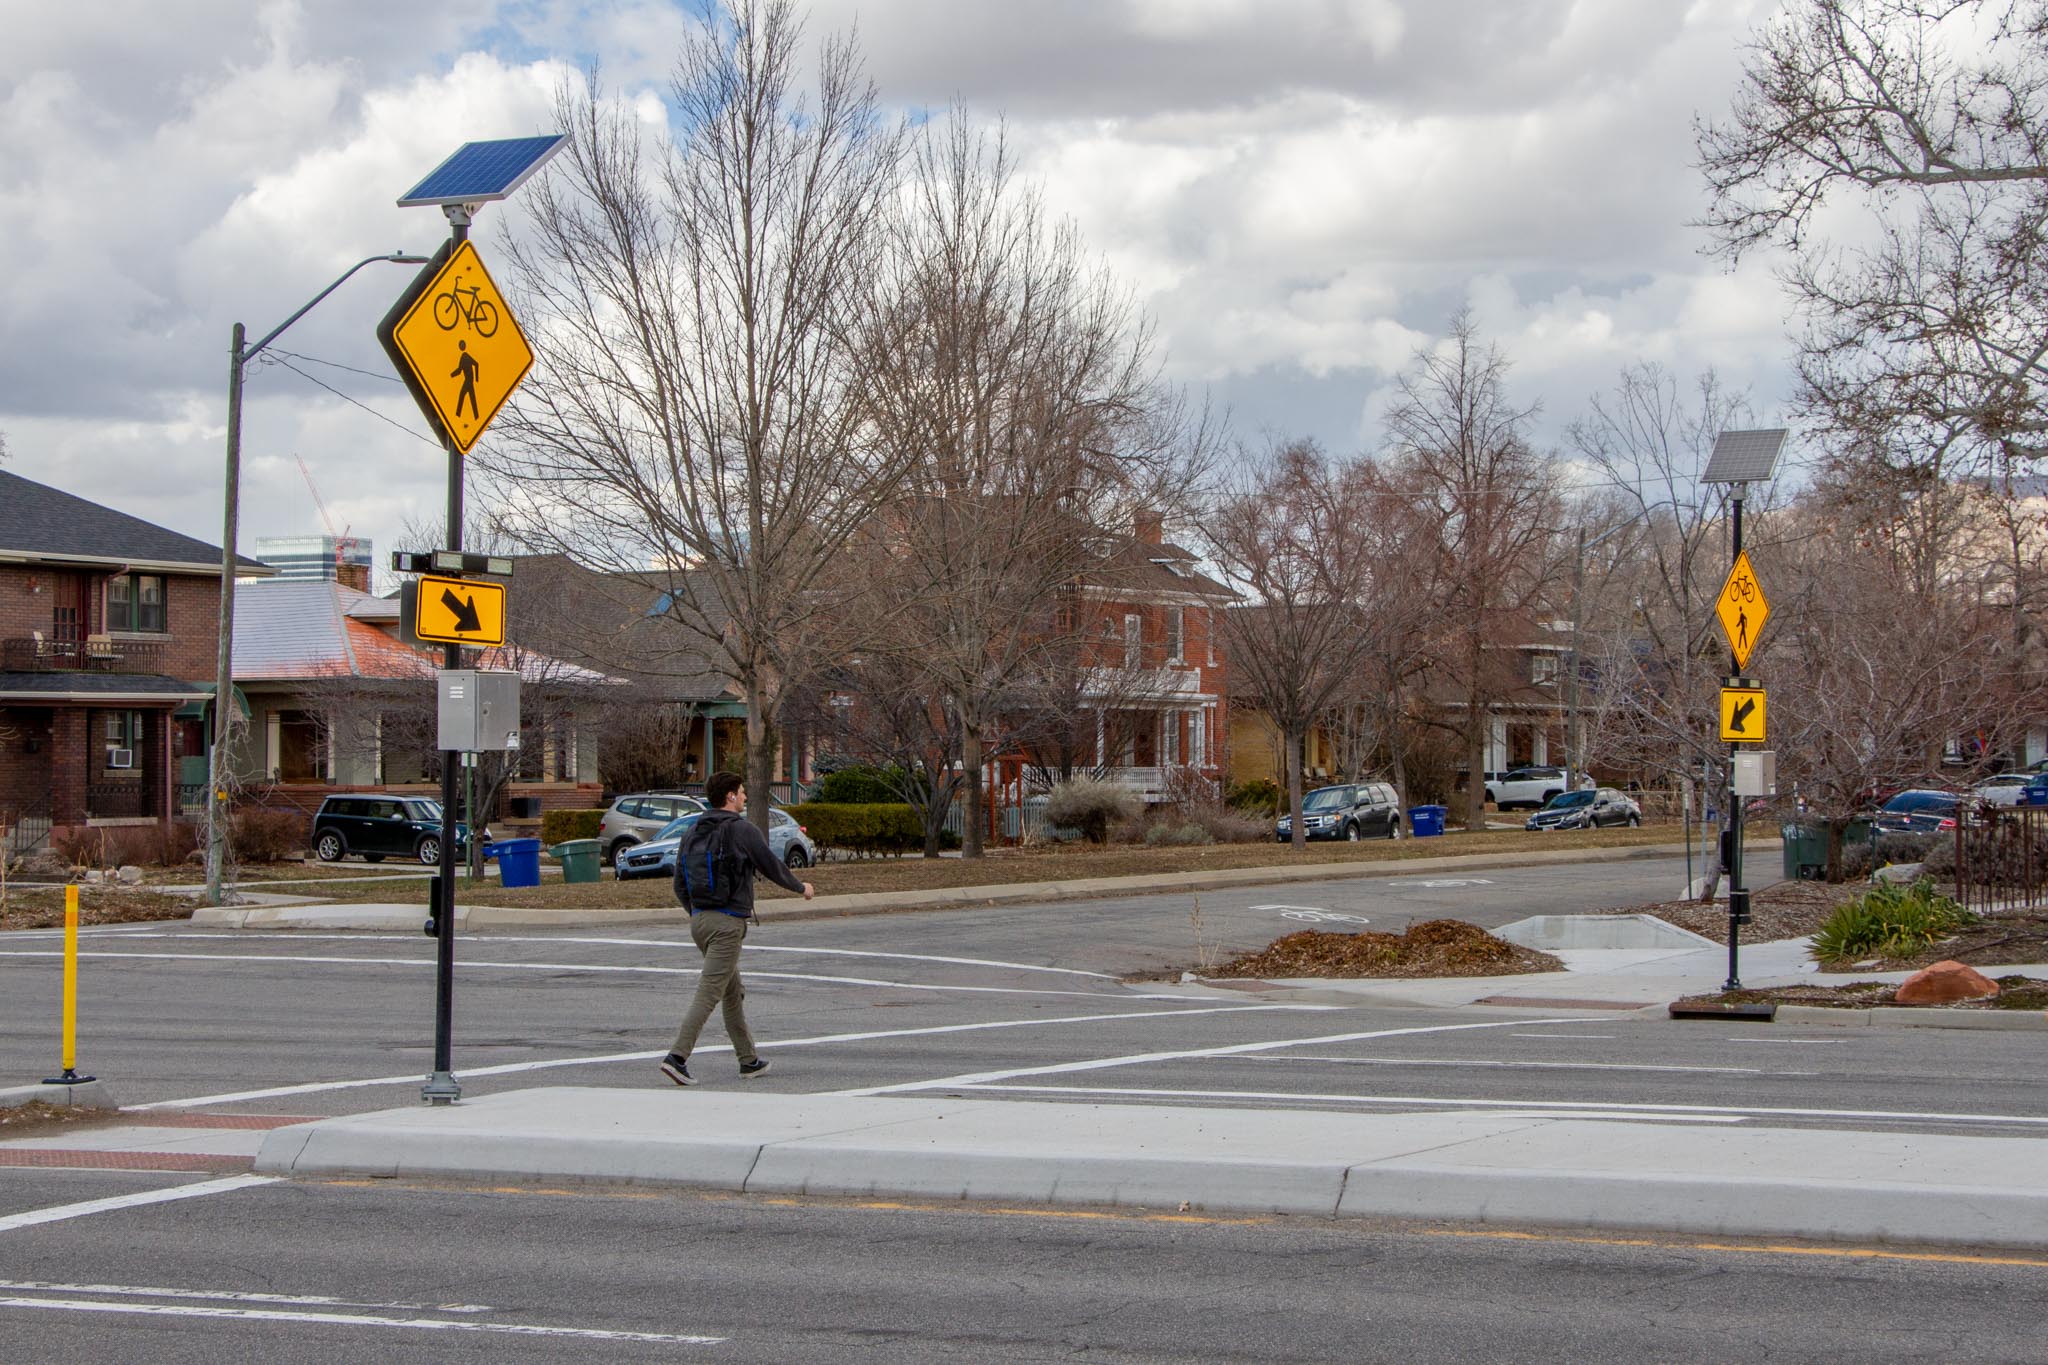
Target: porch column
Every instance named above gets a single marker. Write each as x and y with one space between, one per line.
1101 738
71 759
710 748
152 761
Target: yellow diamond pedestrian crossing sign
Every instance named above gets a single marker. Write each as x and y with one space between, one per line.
453 338
1742 609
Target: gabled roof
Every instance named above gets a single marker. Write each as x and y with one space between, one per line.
44 523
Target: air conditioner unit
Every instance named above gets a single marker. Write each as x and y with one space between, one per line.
120 758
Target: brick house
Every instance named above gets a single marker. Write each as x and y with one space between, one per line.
109 636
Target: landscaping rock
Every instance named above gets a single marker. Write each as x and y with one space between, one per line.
1905 874
1943 984
130 874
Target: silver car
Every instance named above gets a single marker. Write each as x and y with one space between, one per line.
787 840
637 818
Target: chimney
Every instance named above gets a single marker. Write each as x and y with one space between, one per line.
355 576
1149 526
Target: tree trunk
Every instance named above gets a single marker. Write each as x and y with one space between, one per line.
970 769
760 759
1475 766
1292 743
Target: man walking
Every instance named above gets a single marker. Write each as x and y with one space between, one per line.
715 869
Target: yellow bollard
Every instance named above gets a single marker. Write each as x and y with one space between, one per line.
70 1044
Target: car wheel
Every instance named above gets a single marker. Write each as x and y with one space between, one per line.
329 848
1394 828
429 850
1635 822
1351 832
796 857
611 855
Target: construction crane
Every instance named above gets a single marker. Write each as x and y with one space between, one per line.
343 541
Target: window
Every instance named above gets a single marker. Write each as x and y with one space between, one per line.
135 602
1176 634
124 737
1542 669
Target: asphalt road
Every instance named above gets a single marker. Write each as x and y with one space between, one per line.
384 1272
996 1002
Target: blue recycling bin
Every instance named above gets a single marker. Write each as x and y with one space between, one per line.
1426 821
518 861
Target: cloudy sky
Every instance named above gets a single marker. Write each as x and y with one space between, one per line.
1300 191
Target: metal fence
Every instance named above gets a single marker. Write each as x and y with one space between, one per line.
2001 857
24 828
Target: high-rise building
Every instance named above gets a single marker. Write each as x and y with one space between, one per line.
303 558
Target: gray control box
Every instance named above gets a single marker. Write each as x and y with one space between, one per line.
1756 772
479 710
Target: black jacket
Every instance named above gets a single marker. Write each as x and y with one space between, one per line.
752 848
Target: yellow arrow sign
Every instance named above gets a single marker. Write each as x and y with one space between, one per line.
454 611
1742 609
458 347
1742 714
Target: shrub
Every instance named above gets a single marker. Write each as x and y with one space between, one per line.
1168 834
1889 921
266 836
1230 827
557 826
860 785
1260 796
1090 806
1860 857
863 829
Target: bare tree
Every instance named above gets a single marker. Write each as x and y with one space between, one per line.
1290 537
1461 451
695 417
1013 381
1918 129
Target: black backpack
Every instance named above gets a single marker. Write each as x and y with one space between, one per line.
708 867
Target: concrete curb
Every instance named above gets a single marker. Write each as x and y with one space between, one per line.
474 917
1509 1168
1899 1016
84 1095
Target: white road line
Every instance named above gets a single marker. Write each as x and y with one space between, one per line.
136 1291
1140 1058
1584 1108
63 1212
1564 1037
1532 1066
820 1040
588 968
1509 1108
679 944
519 1329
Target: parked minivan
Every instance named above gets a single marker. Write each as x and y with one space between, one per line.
375 827
1352 810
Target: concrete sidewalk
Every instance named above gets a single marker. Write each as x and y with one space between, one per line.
1507 1167
661 910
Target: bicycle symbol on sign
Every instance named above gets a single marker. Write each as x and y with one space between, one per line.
1745 587
451 308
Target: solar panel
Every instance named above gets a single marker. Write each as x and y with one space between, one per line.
1744 456
483 171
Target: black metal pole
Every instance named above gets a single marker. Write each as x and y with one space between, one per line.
442 1087
1738 895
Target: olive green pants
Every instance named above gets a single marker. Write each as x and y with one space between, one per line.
718 937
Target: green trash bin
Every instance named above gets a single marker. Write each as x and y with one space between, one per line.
578 858
1806 852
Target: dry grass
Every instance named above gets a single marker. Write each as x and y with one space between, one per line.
36 1118
43 907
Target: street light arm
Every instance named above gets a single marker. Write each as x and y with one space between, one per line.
396 257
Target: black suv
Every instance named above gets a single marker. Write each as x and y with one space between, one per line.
377 827
1355 810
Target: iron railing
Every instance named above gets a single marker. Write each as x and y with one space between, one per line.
94 654
114 801
24 828
2001 857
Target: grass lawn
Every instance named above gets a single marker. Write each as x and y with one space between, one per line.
1065 862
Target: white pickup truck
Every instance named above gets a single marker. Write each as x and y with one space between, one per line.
1527 787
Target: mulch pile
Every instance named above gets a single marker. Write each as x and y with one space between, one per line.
43 907
1438 947
1786 910
23 1120
2015 993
